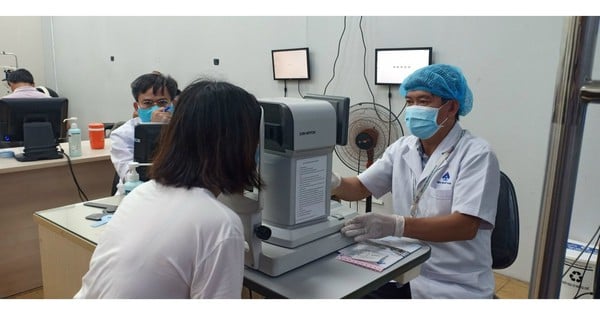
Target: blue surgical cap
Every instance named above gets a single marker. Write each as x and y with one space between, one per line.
445 81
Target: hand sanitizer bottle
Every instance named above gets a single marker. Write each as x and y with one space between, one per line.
133 178
74 135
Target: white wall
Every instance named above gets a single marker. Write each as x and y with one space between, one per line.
511 64
23 37
184 47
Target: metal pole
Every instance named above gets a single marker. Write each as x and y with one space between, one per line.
564 148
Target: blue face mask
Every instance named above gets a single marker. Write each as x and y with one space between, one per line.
422 120
146 114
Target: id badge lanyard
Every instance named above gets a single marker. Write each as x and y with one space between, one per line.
420 189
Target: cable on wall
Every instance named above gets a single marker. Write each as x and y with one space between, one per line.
336 57
362 36
299 93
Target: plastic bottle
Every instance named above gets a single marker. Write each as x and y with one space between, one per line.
74 135
133 178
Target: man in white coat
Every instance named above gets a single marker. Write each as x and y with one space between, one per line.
153 94
444 183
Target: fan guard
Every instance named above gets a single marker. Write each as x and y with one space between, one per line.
368 122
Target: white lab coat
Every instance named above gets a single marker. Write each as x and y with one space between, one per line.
121 151
467 182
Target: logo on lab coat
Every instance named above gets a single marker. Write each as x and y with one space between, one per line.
445 179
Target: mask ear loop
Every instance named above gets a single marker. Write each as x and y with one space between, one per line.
441 125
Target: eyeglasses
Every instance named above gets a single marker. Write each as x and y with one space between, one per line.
425 101
160 103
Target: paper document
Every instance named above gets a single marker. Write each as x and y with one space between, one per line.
378 254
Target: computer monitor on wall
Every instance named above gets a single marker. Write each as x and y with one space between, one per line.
291 64
393 65
14 112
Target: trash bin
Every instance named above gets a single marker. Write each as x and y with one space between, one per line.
578 283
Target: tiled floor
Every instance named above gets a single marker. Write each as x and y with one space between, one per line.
509 288
506 288
31 294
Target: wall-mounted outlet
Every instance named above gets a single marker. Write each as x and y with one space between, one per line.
377 201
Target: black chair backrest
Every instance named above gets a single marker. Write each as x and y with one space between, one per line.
505 237
116 178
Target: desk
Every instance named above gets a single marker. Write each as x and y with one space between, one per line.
31 186
67 243
329 278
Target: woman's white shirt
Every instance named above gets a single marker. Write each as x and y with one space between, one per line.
167 242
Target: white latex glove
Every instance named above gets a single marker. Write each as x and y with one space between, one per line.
373 225
336 180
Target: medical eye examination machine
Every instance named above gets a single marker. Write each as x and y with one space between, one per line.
293 220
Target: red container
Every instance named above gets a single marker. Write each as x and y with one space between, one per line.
96 132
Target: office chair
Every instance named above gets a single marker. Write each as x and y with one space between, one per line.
505 237
46 90
110 127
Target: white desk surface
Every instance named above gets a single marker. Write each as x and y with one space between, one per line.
329 278
72 218
11 165
325 278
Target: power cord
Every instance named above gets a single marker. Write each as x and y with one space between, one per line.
336 57
299 89
362 35
577 295
390 113
81 193
585 268
358 173
394 117
584 249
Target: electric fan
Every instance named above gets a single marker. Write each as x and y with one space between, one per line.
371 129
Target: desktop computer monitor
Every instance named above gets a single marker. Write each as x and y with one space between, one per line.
14 112
146 140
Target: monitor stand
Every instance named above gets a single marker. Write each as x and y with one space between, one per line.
39 143
47 154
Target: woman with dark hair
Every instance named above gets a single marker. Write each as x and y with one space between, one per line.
171 237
